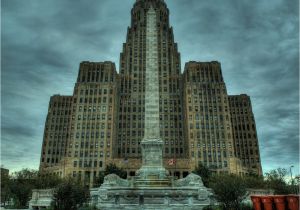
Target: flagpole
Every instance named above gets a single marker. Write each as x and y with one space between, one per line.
175 162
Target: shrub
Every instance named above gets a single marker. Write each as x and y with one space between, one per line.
229 190
70 195
246 207
110 169
204 172
212 208
88 208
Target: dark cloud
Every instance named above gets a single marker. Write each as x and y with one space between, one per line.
18 130
43 43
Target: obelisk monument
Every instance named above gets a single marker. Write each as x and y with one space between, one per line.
152 144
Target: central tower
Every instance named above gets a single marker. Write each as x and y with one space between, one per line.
133 83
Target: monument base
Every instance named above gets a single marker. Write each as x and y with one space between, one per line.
116 193
152 163
152 183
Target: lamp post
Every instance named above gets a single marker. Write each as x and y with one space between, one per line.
291 173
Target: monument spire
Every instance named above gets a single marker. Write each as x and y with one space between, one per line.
152 144
152 81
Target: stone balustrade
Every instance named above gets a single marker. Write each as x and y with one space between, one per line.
41 199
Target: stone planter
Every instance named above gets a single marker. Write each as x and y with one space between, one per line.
256 202
279 201
293 202
268 202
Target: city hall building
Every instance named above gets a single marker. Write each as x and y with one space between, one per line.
103 121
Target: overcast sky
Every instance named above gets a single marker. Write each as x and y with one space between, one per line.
43 43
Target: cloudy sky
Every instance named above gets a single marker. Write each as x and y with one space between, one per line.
43 42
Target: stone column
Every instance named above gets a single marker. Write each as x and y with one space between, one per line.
152 144
152 80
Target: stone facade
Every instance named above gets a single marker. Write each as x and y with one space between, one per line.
56 134
206 109
246 146
80 130
104 120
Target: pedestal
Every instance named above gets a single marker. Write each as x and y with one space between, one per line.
152 167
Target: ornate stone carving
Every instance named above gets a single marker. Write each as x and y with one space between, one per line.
191 180
114 180
103 194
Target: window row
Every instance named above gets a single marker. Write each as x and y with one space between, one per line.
95 100
93 117
90 154
88 164
99 91
93 134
